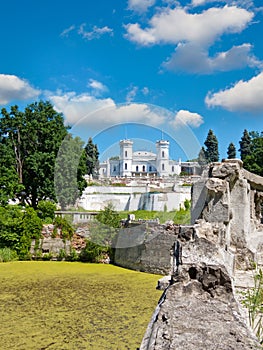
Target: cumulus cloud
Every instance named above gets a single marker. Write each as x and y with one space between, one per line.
95 33
97 86
244 96
95 113
177 25
237 57
15 88
140 5
184 117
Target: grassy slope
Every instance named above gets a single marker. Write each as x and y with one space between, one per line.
60 305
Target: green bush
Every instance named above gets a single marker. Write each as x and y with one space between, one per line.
17 229
65 227
46 211
73 256
7 254
93 252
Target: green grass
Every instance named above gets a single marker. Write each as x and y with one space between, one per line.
181 216
60 305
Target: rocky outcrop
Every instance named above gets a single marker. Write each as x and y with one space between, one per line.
199 312
199 308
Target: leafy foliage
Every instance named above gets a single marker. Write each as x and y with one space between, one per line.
46 210
7 254
30 141
93 253
69 171
18 228
65 228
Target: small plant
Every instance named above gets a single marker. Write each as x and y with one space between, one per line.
47 256
62 254
7 254
252 300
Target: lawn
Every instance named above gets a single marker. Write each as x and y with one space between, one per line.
67 306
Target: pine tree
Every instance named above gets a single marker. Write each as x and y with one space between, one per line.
231 151
92 158
211 152
245 145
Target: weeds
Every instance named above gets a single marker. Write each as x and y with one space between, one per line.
252 300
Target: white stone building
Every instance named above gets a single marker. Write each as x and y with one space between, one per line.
141 163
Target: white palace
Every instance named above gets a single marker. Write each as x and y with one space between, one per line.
141 163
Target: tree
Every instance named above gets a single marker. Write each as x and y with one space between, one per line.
211 152
32 139
202 157
69 171
231 151
245 145
9 181
92 158
253 161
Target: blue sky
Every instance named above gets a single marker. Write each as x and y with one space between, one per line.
140 69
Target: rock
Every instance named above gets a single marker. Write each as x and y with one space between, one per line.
199 313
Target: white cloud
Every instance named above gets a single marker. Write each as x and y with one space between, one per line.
244 96
14 88
97 86
95 113
177 25
95 33
66 31
237 57
140 5
145 91
132 94
198 2
184 117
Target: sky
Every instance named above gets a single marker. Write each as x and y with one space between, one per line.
138 69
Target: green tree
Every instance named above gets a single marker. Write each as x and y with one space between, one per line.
32 138
92 158
202 157
245 145
69 171
254 160
231 151
211 143
9 181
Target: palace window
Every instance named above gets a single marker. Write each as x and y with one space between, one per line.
163 154
162 166
125 153
143 168
125 166
150 168
137 168
173 169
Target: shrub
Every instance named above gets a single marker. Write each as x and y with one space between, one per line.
46 211
93 252
7 254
